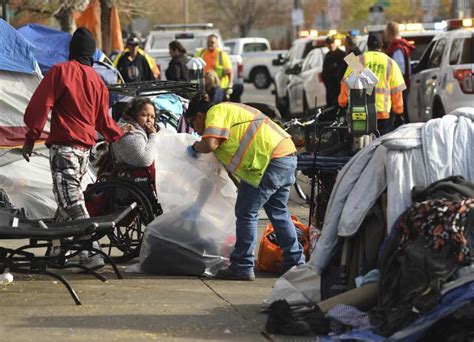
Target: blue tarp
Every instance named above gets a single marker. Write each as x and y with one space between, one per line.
51 46
16 53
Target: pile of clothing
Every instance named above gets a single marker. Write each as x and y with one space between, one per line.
426 276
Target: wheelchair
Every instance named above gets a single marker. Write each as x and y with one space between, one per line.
117 186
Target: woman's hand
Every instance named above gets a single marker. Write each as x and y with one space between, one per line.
149 128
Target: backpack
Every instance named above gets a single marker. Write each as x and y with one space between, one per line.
270 255
429 242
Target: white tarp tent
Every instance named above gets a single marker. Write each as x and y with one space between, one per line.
27 184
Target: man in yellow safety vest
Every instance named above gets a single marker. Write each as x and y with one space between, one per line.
219 61
260 155
388 91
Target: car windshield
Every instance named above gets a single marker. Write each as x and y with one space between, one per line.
420 43
296 51
231 46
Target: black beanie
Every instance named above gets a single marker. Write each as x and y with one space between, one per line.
82 46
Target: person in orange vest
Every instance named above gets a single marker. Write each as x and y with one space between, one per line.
219 61
388 91
261 155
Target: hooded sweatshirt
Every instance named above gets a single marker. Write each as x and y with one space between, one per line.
77 98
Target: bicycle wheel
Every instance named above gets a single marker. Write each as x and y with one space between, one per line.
109 196
301 187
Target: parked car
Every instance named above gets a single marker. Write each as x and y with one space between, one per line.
306 84
443 79
257 57
293 60
192 37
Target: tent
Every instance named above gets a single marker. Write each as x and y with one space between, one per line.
27 184
413 155
51 46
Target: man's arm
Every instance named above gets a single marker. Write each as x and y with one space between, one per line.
400 59
342 99
397 103
41 103
228 70
104 123
207 144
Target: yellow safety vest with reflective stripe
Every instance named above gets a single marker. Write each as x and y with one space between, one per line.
250 138
219 67
390 78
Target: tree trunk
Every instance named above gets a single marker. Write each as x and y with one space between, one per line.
105 26
65 18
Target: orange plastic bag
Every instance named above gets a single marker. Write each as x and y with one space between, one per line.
270 256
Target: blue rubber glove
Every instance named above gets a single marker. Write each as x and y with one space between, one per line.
192 152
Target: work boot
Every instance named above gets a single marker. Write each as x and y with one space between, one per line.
228 274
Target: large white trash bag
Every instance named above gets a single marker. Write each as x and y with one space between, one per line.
196 232
29 185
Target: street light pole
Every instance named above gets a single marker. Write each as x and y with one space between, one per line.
185 11
297 26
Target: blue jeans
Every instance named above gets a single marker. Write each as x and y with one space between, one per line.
272 195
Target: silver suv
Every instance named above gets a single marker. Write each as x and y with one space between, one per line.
443 79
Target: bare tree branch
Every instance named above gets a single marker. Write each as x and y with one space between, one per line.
242 13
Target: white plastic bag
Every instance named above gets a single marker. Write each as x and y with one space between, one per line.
196 232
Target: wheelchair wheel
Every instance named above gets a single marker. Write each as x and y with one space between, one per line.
109 196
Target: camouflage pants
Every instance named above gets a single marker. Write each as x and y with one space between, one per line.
68 166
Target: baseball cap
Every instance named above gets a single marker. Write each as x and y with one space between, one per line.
374 41
133 40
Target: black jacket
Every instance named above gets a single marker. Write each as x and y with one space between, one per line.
137 70
177 69
334 67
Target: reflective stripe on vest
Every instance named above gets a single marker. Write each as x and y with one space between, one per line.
382 94
387 77
216 131
219 59
245 141
252 139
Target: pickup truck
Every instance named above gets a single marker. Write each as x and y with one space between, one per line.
192 37
257 58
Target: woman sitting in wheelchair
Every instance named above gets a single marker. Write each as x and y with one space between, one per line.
135 150
137 147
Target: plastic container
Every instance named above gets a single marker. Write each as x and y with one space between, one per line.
6 278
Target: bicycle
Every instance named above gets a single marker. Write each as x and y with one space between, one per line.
323 138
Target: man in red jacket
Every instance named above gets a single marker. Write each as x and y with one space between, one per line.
400 50
79 104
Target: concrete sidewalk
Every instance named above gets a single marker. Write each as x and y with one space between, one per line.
137 308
